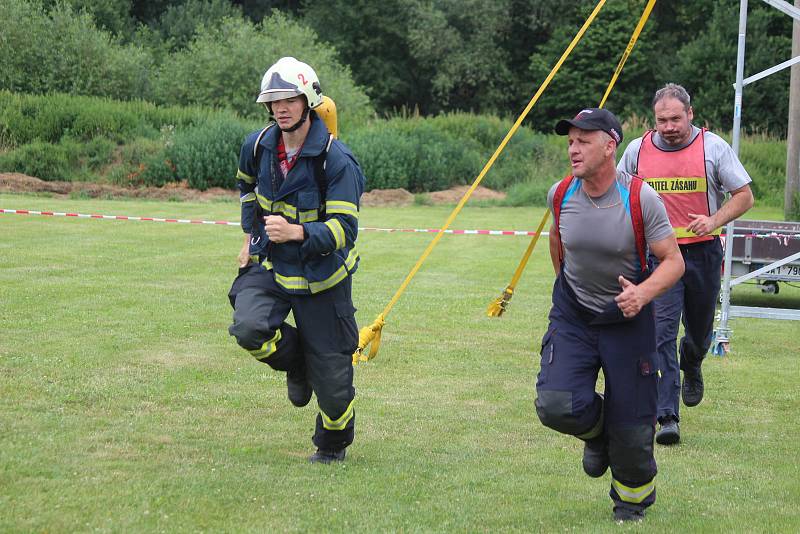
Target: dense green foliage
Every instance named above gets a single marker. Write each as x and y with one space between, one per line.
433 57
203 74
202 53
61 137
431 62
62 51
428 154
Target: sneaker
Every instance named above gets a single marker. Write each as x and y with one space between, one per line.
692 388
595 457
670 431
622 514
327 456
298 387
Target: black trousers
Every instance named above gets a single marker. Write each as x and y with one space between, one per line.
692 301
321 345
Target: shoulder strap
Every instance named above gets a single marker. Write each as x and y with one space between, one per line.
258 212
259 138
637 220
319 174
558 200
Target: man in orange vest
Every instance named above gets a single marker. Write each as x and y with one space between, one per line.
691 168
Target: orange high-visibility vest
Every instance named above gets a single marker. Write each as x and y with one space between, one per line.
679 176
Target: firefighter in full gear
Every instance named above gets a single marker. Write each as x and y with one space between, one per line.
690 168
300 191
602 316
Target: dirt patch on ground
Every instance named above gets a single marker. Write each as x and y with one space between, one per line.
387 197
20 183
454 194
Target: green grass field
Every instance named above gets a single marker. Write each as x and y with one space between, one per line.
126 407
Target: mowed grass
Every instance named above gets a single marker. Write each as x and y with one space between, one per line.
126 406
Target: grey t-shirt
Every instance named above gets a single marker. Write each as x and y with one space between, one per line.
599 242
724 170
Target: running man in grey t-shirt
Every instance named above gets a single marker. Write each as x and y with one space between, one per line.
691 169
601 315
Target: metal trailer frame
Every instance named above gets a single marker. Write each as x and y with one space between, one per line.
722 335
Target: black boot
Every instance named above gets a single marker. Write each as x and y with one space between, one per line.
298 387
670 431
692 388
327 456
624 514
595 456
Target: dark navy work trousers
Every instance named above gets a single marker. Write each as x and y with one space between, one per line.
691 301
579 343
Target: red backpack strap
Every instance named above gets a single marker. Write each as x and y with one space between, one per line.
637 219
558 199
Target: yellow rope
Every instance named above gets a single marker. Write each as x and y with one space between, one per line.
499 305
371 333
639 27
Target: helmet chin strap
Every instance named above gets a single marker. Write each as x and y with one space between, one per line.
298 124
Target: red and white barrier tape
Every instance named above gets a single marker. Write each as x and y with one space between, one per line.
456 232
766 235
236 223
115 217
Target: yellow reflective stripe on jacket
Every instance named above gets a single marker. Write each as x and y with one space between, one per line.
341 207
278 207
633 495
332 280
683 232
338 424
308 216
338 232
244 177
291 282
249 197
284 208
679 184
301 283
268 348
350 261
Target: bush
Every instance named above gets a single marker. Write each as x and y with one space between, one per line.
207 155
428 154
42 160
222 68
25 118
62 50
764 158
69 160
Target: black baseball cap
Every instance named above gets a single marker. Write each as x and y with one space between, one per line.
593 119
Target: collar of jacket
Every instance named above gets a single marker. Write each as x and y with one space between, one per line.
314 144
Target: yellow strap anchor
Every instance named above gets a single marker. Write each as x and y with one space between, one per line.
371 334
500 304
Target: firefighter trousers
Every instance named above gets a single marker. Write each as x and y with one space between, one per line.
579 343
321 346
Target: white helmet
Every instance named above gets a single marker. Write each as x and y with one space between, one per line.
289 77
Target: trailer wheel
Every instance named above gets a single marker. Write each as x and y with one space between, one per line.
771 287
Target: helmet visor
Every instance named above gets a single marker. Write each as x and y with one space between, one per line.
272 95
